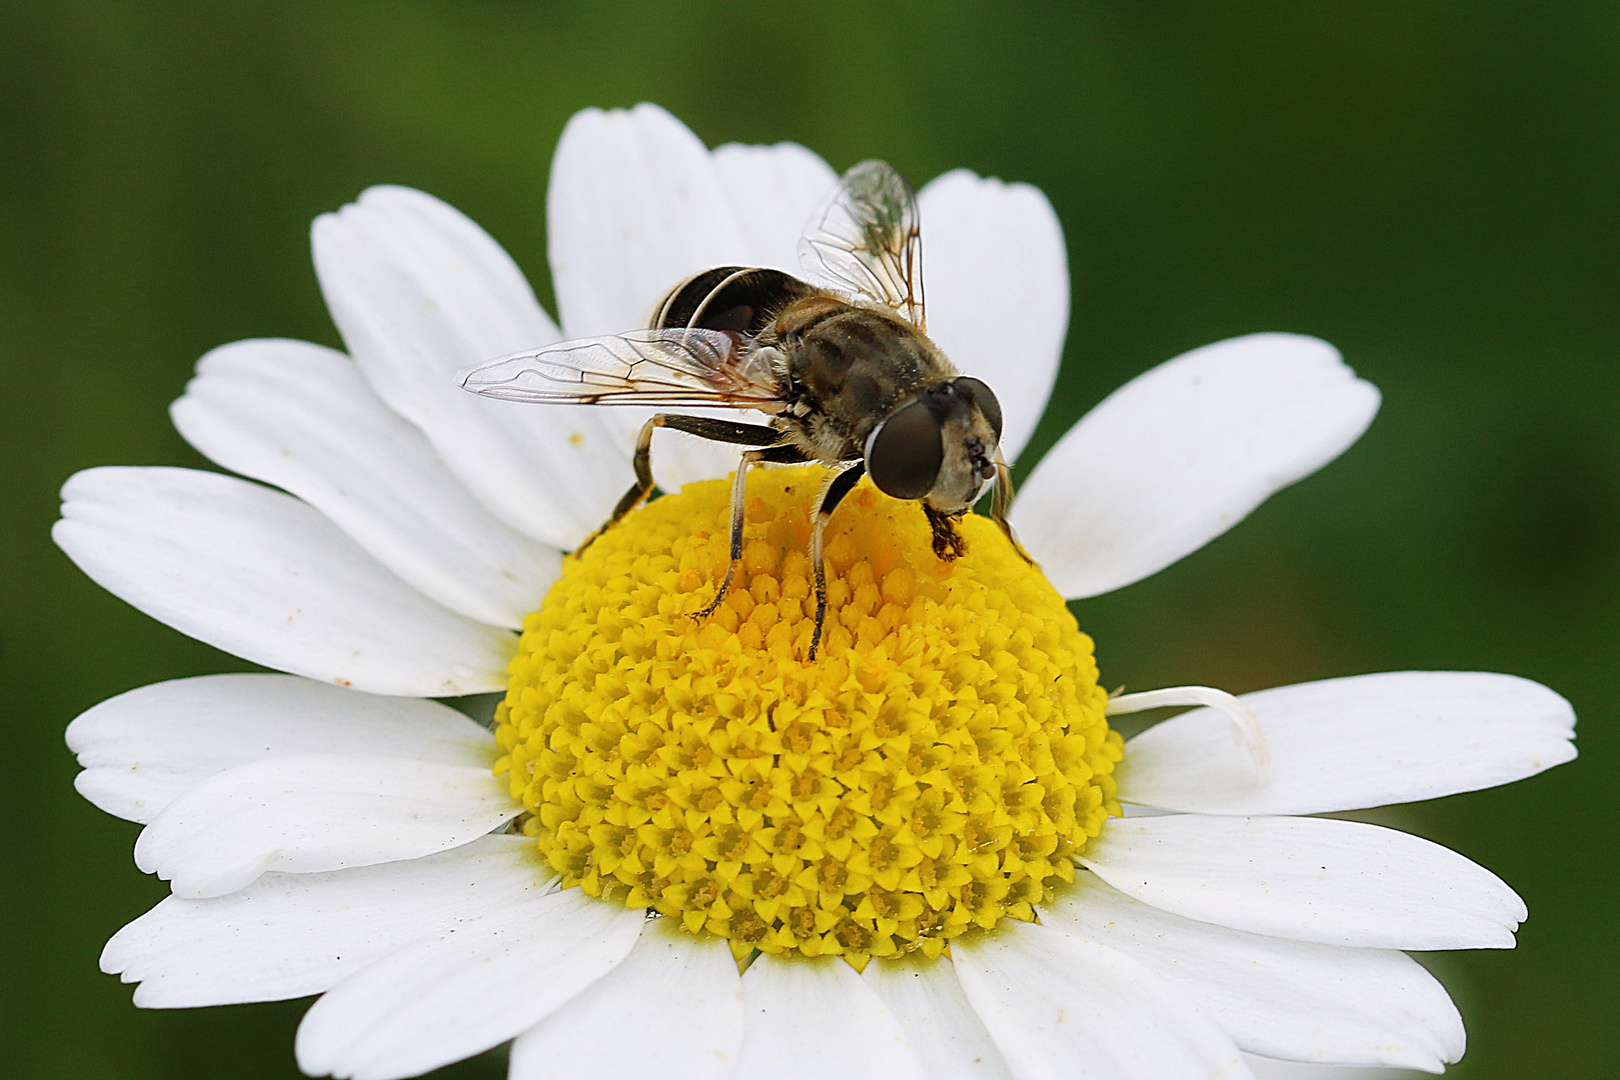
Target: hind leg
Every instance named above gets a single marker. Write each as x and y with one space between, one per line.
704 428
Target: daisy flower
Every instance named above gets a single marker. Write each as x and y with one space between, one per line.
685 849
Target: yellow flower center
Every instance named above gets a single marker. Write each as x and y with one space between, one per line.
935 769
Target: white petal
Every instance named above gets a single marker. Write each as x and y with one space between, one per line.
144 748
1265 1068
673 1008
1289 999
268 578
772 191
996 277
813 1019
288 935
1061 1008
926 997
300 416
1344 744
310 812
1312 879
1245 726
420 292
458 994
1180 454
635 207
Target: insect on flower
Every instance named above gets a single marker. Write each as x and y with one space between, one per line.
844 369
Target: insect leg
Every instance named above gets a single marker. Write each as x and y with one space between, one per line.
842 485
949 544
639 490
786 454
1000 503
701 426
726 431
739 495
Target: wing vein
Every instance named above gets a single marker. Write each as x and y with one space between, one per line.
641 367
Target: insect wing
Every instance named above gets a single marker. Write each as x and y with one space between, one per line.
641 367
866 239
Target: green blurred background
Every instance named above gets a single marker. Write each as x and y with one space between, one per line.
1430 186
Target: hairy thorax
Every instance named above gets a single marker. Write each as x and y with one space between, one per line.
849 367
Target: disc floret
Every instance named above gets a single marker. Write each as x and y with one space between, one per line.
935 769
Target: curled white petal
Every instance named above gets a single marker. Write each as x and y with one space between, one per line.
1367 740
1246 729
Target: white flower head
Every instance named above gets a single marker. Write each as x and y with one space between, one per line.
904 859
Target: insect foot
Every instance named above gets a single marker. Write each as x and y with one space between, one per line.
658 579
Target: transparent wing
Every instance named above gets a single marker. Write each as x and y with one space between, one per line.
866 239
641 367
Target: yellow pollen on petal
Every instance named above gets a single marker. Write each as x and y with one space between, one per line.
935 769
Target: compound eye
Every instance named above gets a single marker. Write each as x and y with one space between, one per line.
904 453
982 396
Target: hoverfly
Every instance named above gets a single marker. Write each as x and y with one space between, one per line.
847 374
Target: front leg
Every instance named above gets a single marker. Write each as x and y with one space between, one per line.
949 544
1000 503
